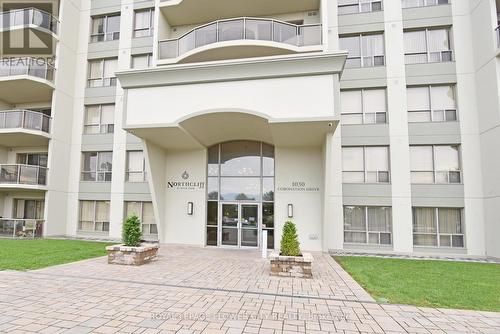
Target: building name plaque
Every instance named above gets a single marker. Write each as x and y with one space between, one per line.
185 184
298 186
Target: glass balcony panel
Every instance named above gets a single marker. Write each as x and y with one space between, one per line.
187 43
258 30
13 119
9 173
231 30
310 35
285 33
168 49
206 35
28 175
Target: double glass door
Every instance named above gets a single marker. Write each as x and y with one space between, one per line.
239 224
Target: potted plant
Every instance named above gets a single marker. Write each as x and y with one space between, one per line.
290 261
132 251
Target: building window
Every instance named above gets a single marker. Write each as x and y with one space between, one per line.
144 22
29 209
105 28
366 106
367 225
32 159
142 61
136 167
435 164
97 166
438 227
422 3
94 216
102 72
99 119
427 46
431 104
359 6
144 211
364 50
368 164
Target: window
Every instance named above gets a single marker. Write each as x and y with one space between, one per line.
136 169
97 166
367 225
29 208
94 216
366 106
365 164
431 104
364 50
99 119
142 61
32 159
427 46
144 22
102 72
105 28
435 164
359 6
438 227
422 3
144 211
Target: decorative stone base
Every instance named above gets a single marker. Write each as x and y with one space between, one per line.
132 256
291 266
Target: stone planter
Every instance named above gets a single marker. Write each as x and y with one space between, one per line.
291 266
132 256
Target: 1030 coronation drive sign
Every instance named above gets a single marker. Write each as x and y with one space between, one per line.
185 184
298 186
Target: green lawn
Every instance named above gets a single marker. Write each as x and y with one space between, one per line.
34 254
461 285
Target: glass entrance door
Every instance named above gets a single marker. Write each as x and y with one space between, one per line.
239 224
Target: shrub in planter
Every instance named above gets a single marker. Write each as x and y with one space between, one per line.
290 262
290 245
132 233
132 252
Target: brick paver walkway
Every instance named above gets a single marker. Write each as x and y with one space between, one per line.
196 290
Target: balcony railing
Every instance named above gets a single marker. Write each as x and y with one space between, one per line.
21 228
27 66
29 16
24 119
23 174
245 28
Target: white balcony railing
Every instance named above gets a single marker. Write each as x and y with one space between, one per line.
245 28
28 17
24 119
21 228
27 66
23 174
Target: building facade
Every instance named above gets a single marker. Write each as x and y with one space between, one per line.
373 125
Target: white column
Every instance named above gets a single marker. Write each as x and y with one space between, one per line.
398 129
120 135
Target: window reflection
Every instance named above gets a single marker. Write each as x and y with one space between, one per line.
240 158
240 189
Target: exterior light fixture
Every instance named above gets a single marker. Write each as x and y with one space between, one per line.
290 210
190 208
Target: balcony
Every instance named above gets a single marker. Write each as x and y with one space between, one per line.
29 18
25 80
21 228
497 35
22 176
241 38
196 12
24 128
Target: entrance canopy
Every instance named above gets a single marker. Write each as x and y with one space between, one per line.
208 129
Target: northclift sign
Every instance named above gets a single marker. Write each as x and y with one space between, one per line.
185 184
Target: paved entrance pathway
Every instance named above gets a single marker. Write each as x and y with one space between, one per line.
197 290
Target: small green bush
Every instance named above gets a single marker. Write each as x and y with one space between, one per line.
132 233
290 245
